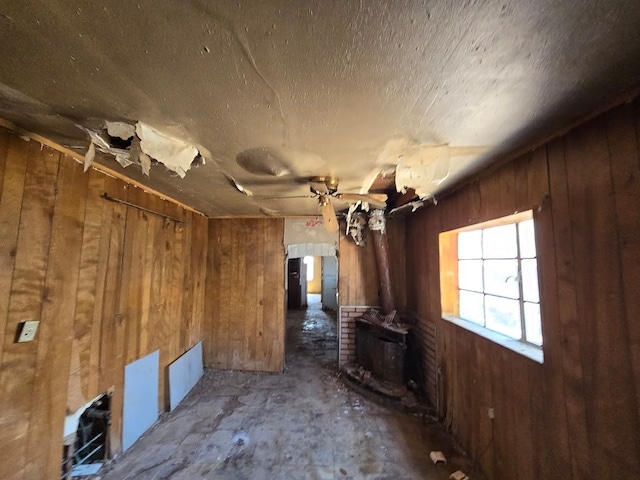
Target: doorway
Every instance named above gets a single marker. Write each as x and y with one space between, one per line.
312 282
311 333
311 327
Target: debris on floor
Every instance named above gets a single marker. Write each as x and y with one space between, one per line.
302 424
437 457
459 475
363 376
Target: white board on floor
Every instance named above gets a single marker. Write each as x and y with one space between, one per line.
140 400
184 373
85 469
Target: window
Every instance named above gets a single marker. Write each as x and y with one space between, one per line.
489 280
308 261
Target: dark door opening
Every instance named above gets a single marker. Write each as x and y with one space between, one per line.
294 284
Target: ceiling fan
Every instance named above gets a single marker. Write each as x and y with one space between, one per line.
325 188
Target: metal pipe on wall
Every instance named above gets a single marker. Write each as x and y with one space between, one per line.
377 226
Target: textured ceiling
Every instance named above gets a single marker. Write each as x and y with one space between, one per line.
346 88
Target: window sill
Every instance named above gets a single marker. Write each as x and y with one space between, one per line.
529 351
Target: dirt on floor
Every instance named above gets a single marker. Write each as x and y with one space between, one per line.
301 424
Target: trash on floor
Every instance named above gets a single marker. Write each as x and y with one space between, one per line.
437 457
459 475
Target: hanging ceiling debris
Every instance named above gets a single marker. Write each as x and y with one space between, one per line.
407 208
141 144
273 93
424 168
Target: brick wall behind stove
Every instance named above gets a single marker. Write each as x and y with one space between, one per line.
347 346
424 333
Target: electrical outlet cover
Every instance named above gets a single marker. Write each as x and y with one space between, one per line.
28 331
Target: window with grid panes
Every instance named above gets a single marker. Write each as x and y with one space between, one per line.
489 282
498 280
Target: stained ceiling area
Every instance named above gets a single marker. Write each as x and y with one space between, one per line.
383 95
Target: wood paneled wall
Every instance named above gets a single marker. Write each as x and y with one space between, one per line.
358 275
108 283
245 300
245 306
577 414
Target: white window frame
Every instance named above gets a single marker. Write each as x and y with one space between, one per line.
450 289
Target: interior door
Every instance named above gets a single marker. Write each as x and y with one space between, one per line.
329 283
294 294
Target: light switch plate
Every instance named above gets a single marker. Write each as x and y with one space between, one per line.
28 330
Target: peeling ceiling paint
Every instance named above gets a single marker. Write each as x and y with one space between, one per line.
342 88
174 154
140 144
122 130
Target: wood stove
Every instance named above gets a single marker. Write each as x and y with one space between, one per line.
381 351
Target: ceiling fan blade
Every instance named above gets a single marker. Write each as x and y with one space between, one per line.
285 198
262 161
237 185
328 214
378 200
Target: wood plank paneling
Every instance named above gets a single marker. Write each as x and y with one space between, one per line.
186 292
4 150
561 303
554 422
356 284
600 295
245 310
275 311
357 271
83 378
19 361
14 169
132 281
47 408
624 148
83 267
199 259
238 295
577 414
250 273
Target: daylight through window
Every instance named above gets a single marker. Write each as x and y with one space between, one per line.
490 277
308 261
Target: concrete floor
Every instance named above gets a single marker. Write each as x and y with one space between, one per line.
303 424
